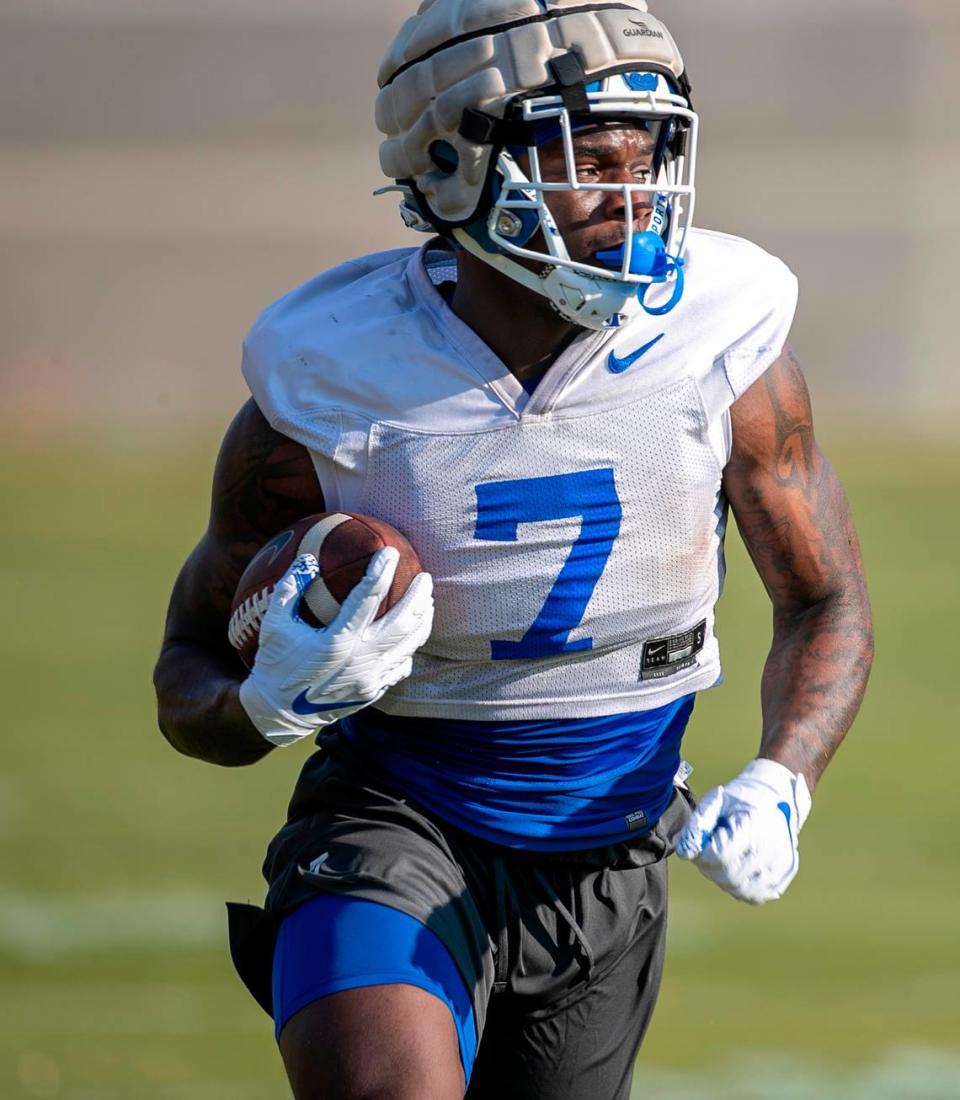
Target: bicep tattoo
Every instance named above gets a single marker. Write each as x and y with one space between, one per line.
262 483
788 501
797 460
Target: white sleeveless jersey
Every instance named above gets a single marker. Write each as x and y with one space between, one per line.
575 535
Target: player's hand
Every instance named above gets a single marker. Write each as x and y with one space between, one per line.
743 835
306 677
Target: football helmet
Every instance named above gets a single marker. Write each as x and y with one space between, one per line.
472 90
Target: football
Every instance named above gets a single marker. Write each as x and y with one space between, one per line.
343 543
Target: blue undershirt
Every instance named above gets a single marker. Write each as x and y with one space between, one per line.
552 785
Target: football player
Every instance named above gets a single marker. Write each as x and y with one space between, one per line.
556 398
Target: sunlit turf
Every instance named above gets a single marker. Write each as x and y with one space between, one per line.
118 853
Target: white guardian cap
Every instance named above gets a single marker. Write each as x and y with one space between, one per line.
470 86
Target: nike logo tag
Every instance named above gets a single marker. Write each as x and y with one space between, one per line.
618 366
302 705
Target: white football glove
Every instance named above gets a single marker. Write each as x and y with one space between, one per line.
743 836
305 677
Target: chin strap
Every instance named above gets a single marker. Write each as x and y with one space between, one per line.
649 257
591 301
594 303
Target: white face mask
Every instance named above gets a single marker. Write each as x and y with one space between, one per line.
646 272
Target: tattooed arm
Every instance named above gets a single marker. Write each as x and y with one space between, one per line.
263 482
793 516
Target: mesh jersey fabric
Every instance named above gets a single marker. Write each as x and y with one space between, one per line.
409 416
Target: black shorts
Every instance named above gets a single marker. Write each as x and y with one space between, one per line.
562 952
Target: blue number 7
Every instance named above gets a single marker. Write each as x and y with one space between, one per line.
503 505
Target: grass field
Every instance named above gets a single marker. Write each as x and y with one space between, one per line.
118 854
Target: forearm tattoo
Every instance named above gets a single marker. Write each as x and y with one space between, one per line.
794 518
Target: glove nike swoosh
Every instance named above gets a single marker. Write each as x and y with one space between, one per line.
784 808
302 705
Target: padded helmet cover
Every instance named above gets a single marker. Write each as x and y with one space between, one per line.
484 54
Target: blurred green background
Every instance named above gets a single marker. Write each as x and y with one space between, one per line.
118 853
165 170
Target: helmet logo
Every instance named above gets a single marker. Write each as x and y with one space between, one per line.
642 82
642 31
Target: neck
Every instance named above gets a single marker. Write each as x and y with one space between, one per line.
519 325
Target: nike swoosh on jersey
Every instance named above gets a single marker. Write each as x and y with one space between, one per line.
618 366
302 705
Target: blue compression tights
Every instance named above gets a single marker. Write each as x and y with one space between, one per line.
333 943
